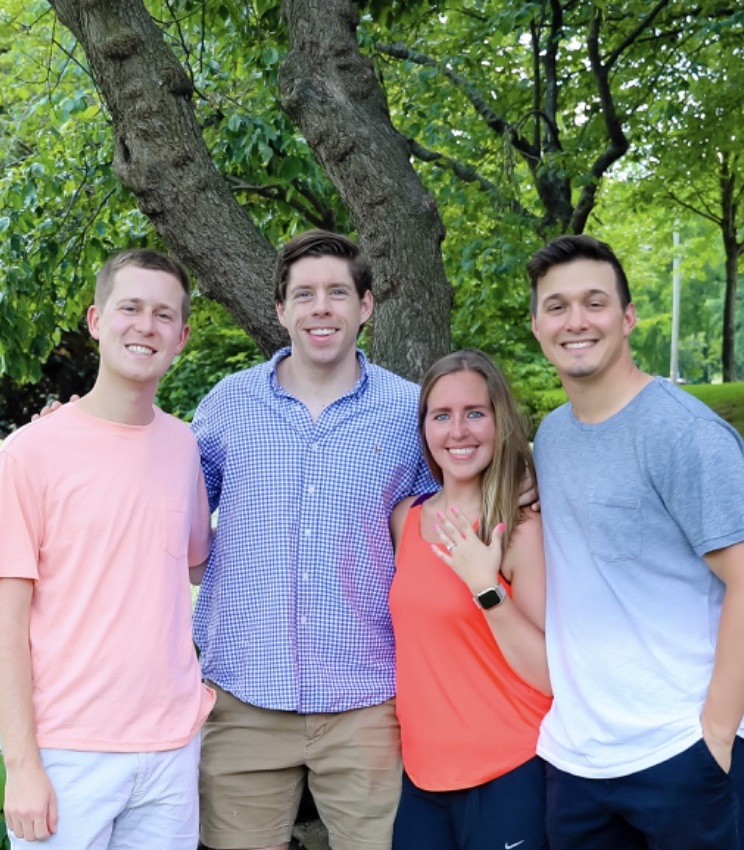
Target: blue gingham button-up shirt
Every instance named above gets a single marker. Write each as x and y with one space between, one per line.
293 610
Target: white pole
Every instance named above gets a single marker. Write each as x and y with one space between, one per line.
674 354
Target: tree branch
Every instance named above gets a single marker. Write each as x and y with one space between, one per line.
494 122
468 174
160 155
617 142
615 54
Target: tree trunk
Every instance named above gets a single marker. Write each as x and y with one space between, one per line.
731 250
161 156
331 92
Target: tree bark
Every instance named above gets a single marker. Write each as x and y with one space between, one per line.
731 252
330 90
161 157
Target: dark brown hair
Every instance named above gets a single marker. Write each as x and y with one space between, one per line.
320 243
566 249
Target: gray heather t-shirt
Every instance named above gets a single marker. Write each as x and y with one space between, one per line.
630 505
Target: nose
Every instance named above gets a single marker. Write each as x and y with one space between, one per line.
575 317
459 427
145 322
321 303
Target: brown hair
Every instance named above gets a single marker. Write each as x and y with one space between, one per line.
566 249
142 258
512 457
320 243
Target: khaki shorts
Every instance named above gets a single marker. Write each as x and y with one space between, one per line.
254 764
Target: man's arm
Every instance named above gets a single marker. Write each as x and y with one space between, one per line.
196 574
724 704
202 532
30 801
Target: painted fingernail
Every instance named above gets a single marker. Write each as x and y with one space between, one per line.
500 527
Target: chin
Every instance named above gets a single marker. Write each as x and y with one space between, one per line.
580 370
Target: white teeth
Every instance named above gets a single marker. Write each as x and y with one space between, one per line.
574 345
461 452
322 331
140 349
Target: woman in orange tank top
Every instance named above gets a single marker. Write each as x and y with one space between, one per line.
468 605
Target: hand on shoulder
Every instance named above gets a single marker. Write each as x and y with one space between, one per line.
51 407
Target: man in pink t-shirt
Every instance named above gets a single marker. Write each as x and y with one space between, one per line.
104 509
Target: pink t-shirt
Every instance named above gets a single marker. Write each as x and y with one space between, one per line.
107 518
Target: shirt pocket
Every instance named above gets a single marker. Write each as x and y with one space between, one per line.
176 529
613 528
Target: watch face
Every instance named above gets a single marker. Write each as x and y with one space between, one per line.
491 598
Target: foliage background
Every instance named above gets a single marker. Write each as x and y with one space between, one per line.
461 82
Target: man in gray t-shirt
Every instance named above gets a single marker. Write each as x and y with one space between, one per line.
642 489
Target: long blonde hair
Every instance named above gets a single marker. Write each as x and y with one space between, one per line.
512 457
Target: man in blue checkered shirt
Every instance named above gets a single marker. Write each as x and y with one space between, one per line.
305 456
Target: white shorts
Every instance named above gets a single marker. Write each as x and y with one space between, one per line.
123 801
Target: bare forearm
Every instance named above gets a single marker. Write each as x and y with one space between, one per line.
30 801
522 644
17 727
724 704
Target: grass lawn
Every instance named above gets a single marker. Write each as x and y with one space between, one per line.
726 399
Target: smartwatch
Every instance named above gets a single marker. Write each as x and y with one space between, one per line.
491 597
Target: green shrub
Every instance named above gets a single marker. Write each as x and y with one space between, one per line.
4 840
726 399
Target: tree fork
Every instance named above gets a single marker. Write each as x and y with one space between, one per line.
331 92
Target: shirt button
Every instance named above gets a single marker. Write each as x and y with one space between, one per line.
315 447
311 489
303 620
305 576
307 532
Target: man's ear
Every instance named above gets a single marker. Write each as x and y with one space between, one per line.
368 304
630 319
185 332
93 317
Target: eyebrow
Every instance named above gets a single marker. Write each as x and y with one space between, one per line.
140 301
344 284
587 292
467 407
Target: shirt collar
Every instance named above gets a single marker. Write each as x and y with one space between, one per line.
278 390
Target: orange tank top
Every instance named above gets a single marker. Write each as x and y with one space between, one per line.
466 717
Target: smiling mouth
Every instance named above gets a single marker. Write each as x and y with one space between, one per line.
140 349
321 332
462 452
578 346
